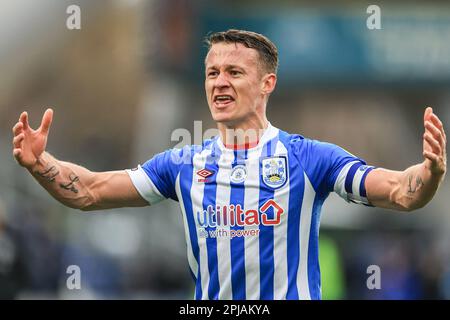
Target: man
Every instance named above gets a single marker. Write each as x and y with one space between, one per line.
250 197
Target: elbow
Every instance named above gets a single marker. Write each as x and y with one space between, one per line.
403 208
410 206
404 202
406 209
87 208
81 207
415 206
89 203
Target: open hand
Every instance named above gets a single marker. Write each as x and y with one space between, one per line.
434 143
29 144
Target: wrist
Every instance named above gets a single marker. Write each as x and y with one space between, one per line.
434 170
40 164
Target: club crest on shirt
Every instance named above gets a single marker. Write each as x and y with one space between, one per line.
238 174
274 171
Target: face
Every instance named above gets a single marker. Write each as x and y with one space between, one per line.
236 87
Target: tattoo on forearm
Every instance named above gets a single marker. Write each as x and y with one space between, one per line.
71 185
419 184
48 174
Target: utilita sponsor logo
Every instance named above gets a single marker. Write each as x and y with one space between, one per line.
234 215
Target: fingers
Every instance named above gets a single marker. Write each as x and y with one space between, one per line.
19 136
46 121
428 112
434 144
430 156
17 140
17 143
17 153
438 123
433 124
24 119
435 132
17 128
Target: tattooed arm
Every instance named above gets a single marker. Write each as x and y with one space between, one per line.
71 184
416 186
79 188
405 191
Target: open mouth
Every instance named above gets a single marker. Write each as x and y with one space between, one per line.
223 100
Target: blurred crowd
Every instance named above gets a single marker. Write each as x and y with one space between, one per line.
133 74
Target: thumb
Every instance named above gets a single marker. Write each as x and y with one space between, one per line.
46 121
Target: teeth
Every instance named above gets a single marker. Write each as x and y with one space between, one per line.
223 98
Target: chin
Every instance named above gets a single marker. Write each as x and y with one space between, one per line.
223 118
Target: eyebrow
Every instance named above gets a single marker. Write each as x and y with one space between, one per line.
227 67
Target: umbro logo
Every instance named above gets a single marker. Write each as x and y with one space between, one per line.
204 173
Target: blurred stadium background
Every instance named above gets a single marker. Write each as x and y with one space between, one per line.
133 74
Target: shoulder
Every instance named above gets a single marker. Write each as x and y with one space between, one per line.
303 146
185 155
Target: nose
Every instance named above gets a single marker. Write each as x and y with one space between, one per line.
221 81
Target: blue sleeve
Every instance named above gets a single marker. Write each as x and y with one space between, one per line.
331 168
163 170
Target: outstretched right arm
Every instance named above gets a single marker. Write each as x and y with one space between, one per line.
71 184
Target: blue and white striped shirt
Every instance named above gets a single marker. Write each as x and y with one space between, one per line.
251 216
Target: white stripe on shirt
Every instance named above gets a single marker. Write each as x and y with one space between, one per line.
223 192
305 227
281 196
196 194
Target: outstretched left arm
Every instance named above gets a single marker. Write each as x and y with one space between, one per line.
415 187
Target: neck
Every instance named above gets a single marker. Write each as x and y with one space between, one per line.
242 135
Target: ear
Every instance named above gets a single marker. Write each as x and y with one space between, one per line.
268 83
